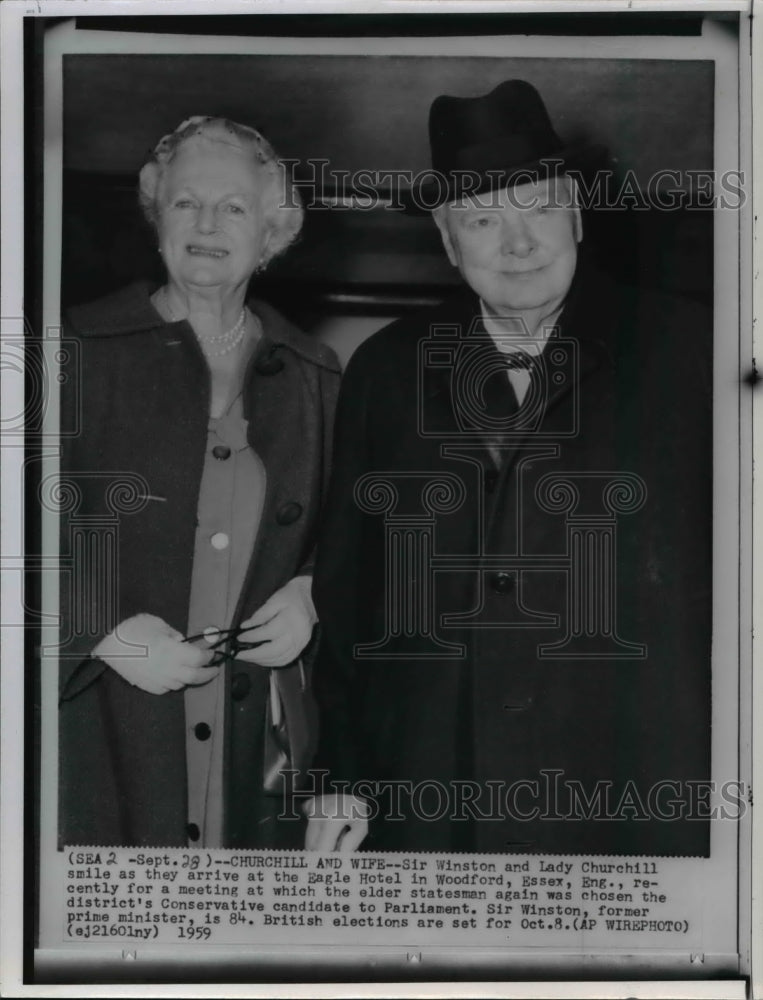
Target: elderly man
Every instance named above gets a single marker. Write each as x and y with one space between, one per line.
514 575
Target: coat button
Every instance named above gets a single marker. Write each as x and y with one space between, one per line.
269 365
221 452
288 513
502 583
219 541
239 686
202 731
193 831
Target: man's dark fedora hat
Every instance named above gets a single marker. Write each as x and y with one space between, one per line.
482 144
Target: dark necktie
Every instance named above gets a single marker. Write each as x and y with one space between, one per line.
502 405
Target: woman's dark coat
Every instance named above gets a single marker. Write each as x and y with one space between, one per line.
141 402
637 401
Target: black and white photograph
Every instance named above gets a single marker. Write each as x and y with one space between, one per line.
384 389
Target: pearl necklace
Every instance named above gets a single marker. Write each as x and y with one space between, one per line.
226 341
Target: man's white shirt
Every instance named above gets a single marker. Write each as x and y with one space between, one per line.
517 343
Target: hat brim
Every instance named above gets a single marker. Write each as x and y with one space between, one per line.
442 189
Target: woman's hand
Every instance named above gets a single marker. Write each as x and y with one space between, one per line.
150 654
336 823
283 625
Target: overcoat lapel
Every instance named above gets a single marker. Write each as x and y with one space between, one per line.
575 351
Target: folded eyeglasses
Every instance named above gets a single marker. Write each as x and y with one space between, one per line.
225 643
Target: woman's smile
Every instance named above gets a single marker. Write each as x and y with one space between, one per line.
201 251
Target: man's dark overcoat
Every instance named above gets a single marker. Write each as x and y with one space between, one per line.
594 727
140 396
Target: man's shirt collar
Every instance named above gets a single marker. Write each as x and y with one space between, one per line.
508 343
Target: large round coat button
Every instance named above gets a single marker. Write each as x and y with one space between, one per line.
240 685
502 582
269 365
202 731
193 831
219 541
221 452
288 513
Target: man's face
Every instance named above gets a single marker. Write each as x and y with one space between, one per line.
516 248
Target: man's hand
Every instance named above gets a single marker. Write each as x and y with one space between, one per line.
284 624
149 654
336 823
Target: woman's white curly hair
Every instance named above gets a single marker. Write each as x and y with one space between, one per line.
280 200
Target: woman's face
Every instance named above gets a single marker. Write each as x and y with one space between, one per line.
212 232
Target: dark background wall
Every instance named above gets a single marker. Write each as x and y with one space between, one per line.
370 112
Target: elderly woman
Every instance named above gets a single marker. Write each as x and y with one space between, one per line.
184 703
